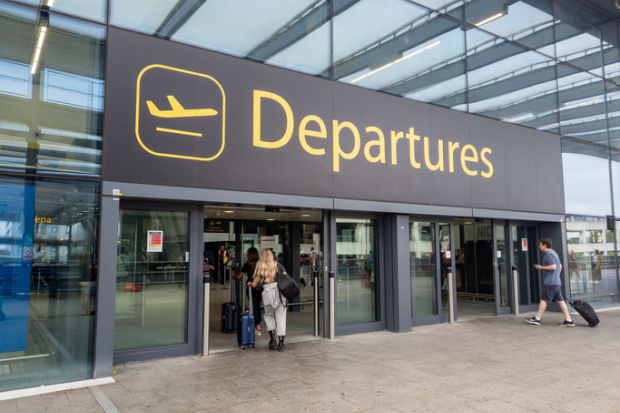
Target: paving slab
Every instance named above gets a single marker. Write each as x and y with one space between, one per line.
497 364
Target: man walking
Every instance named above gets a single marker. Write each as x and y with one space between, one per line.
551 290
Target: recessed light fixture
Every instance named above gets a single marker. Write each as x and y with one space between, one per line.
489 19
271 219
400 59
305 215
37 50
229 211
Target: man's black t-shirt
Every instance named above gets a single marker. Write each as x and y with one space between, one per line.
248 269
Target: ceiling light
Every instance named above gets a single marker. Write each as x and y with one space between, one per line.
581 103
305 215
37 51
400 59
489 19
271 219
519 118
229 211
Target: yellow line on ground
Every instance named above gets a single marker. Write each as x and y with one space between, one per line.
179 132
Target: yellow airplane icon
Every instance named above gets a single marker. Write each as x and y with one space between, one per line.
177 110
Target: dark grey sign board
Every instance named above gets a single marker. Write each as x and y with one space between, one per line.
179 115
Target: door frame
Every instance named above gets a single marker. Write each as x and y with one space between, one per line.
195 296
499 309
441 316
380 272
513 223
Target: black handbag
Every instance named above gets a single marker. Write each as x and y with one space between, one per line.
287 286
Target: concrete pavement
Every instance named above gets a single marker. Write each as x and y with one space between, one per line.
498 364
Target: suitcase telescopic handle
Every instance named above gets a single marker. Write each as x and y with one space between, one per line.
250 298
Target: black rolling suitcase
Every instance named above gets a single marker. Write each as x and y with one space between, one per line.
586 311
230 314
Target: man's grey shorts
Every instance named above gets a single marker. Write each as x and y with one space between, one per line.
551 293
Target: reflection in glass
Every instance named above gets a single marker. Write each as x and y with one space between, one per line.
582 106
402 49
517 21
423 269
89 9
586 180
356 277
502 265
310 259
592 261
48 243
63 89
151 279
508 81
475 288
289 33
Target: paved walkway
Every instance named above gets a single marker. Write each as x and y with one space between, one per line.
497 364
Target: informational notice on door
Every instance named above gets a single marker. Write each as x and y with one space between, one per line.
523 244
154 241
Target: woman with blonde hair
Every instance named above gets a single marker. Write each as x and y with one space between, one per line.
266 273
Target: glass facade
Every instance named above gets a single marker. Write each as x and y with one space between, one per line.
51 108
51 92
48 259
550 65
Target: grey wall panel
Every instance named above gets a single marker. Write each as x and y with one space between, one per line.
106 288
131 190
516 215
360 205
402 274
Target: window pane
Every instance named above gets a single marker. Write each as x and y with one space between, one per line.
152 279
90 9
50 111
592 261
582 105
48 243
402 49
586 178
289 33
423 269
356 278
510 82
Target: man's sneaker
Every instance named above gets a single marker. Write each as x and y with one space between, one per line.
566 323
533 320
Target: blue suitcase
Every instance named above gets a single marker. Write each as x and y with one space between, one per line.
246 336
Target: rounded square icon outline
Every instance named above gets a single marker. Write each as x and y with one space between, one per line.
189 72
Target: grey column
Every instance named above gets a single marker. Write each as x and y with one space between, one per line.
389 248
106 287
196 252
401 277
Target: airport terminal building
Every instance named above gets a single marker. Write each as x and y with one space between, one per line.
401 157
